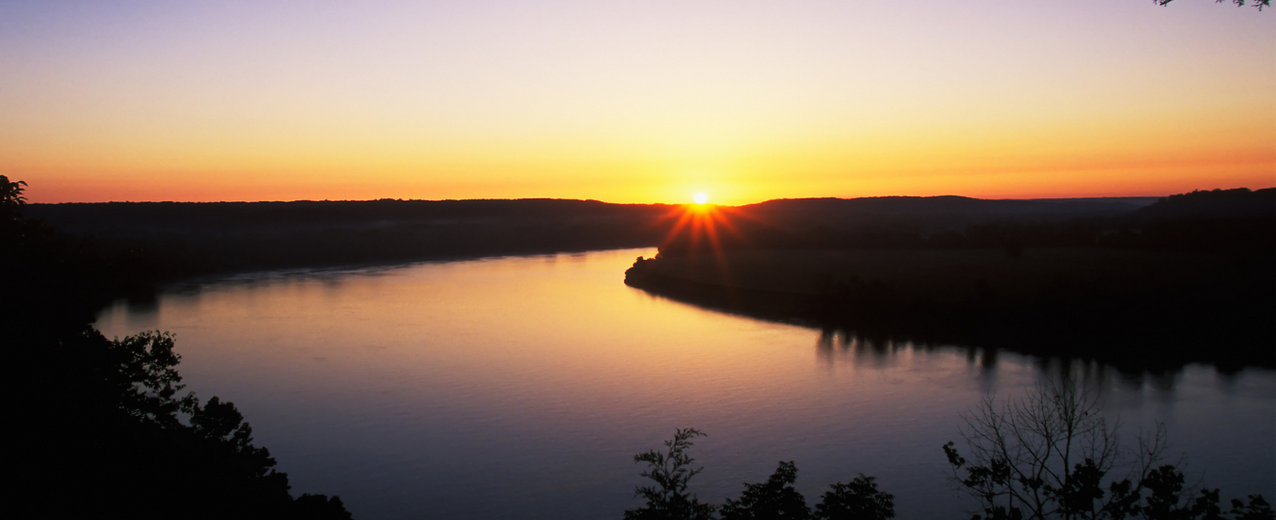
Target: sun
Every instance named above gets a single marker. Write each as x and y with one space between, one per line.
701 198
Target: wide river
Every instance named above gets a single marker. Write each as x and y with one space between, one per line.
522 387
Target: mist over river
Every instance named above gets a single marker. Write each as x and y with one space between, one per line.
521 387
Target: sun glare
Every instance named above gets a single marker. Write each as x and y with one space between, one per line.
701 198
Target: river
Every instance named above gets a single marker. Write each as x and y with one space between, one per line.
521 387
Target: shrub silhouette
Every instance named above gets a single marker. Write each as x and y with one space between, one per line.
859 500
671 471
1051 455
773 499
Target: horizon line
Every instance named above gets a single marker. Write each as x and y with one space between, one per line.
480 199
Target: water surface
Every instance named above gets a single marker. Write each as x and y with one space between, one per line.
521 388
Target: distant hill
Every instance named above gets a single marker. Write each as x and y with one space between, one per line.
129 218
929 214
1143 284
1216 204
201 238
965 209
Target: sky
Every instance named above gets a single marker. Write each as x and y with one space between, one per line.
633 101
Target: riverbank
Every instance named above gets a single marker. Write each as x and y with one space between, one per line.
1132 308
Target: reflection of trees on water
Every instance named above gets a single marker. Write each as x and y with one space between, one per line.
835 345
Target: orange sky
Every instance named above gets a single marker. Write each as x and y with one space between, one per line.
634 102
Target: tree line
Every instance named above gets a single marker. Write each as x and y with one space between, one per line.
1236 221
1049 455
1185 279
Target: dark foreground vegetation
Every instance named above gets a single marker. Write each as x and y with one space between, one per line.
1050 455
671 472
101 428
1189 278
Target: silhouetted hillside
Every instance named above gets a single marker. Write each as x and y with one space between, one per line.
905 222
1186 279
1237 222
127 218
198 238
1216 204
945 212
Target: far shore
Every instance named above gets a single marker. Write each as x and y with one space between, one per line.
1132 308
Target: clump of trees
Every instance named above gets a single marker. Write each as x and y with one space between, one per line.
103 428
1258 4
1052 455
1142 290
671 470
1049 455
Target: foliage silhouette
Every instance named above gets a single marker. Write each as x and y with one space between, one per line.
1051 455
774 499
671 471
1258 4
114 411
11 199
1255 509
859 500
106 428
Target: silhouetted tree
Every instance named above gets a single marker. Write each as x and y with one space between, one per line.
320 507
859 500
1258 4
11 199
1050 455
773 499
1256 509
671 471
146 378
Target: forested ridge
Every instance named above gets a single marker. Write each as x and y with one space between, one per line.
1186 279
202 238
189 238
